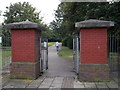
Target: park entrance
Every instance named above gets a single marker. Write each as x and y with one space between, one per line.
30 58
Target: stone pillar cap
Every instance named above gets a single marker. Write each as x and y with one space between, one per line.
92 23
24 25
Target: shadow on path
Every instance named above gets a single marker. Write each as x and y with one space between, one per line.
58 66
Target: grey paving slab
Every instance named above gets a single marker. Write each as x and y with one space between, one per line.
101 85
44 86
89 82
56 85
78 84
47 82
20 86
58 80
112 85
15 83
55 88
68 82
90 85
36 83
8 86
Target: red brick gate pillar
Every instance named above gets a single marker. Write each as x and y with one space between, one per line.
25 50
93 50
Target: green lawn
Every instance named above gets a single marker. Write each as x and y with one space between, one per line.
113 58
5 54
66 52
50 43
114 55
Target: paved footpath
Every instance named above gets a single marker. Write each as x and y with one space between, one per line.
60 75
58 66
58 82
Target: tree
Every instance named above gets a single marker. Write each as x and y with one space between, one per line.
21 12
70 12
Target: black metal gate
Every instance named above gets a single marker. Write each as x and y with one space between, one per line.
76 53
44 54
5 49
114 56
5 56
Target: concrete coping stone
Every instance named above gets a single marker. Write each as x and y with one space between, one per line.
26 62
92 23
24 25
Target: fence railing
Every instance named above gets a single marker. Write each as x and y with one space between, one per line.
6 54
113 59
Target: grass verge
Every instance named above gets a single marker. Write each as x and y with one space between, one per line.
66 52
5 53
50 43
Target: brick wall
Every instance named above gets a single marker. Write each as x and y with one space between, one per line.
23 45
25 54
25 70
93 72
93 46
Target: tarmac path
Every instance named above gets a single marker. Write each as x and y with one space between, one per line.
58 66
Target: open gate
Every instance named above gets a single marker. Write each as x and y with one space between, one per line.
76 53
113 54
44 54
5 52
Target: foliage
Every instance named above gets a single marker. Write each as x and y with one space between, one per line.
50 35
68 13
51 43
65 52
67 41
21 12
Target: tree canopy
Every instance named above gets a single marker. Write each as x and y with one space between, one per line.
18 12
70 12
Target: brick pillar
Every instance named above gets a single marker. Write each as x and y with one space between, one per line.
93 50
25 50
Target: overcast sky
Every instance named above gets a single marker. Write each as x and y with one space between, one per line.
46 7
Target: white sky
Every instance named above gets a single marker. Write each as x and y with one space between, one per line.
46 7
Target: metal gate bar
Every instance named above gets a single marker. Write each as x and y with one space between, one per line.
44 55
6 53
76 53
113 58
